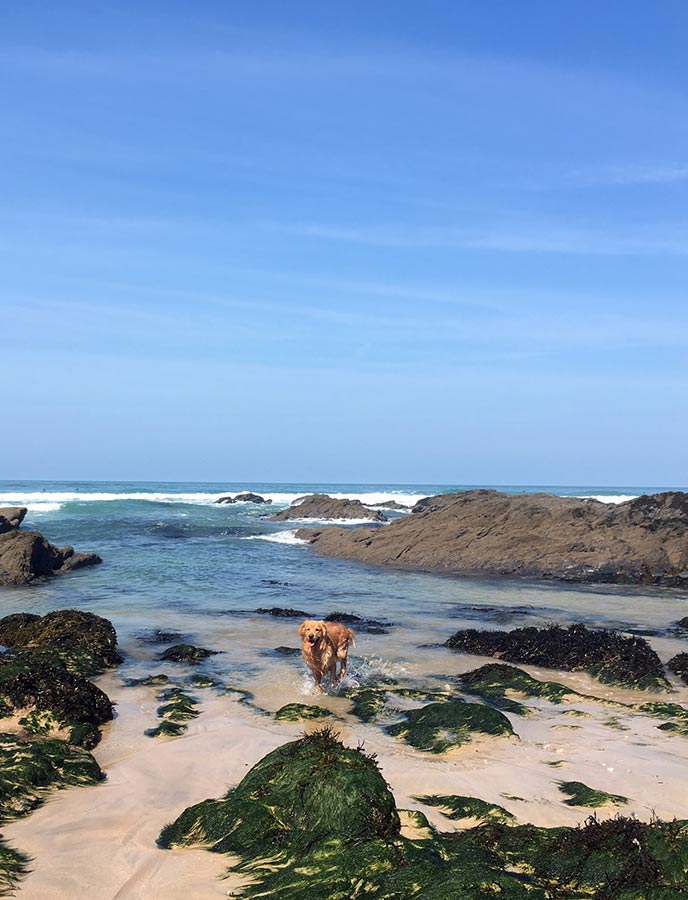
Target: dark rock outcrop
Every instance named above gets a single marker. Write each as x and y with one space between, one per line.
368 626
322 506
26 556
679 666
388 504
186 653
282 612
247 497
641 541
11 517
611 657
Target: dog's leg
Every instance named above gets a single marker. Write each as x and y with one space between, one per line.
341 656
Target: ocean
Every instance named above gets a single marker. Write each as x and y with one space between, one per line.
173 559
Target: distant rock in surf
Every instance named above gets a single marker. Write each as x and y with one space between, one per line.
322 506
243 498
640 541
26 556
389 504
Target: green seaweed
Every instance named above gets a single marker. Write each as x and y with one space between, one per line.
580 794
676 715
14 865
298 712
177 709
314 820
155 680
367 704
494 681
29 769
467 808
202 681
611 657
438 727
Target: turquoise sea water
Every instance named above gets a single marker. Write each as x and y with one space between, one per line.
173 558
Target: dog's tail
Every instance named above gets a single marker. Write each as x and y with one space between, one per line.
350 639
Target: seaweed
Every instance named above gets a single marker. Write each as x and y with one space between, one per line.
35 680
178 708
438 727
297 712
580 794
154 680
29 769
611 657
282 612
203 681
14 865
679 666
314 820
85 642
676 714
186 653
368 703
467 808
493 681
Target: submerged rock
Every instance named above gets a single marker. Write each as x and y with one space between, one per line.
282 612
529 535
459 808
322 506
299 712
178 709
367 626
611 657
187 653
439 727
494 681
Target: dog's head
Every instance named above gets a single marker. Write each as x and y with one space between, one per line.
312 631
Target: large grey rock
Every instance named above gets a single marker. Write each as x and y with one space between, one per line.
322 506
26 556
11 517
532 535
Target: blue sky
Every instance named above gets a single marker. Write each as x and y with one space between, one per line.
434 242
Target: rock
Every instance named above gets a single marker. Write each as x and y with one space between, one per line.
159 636
679 666
11 517
530 535
26 556
85 642
186 653
439 727
282 612
459 808
367 626
247 497
178 709
580 794
322 506
683 623
300 712
611 657
388 504
497 683
285 651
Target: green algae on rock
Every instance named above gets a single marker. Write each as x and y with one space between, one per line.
611 657
675 714
494 681
314 820
14 865
35 680
439 727
177 710
29 769
580 794
298 712
186 653
85 642
457 808
367 704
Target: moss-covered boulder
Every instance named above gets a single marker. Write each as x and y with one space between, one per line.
611 657
314 820
439 727
679 666
580 794
36 681
186 653
301 712
87 643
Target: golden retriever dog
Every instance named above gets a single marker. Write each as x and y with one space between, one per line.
322 644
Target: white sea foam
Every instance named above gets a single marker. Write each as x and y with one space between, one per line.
611 498
277 537
49 501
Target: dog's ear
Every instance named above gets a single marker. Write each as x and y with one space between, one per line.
323 625
301 629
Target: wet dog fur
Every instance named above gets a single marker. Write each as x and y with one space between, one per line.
322 644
